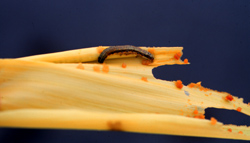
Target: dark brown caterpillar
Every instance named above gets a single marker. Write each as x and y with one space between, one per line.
126 49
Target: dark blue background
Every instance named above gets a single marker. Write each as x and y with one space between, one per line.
215 35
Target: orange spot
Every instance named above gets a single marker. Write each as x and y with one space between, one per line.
202 102
205 89
196 111
198 86
213 121
96 68
179 84
189 100
200 116
182 113
105 68
99 49
206 94
177 56
248 103
151 50
145 62
185 61
240 132
230 130
191 85
229 97
144 79
234 105
239 109
80 66
124 65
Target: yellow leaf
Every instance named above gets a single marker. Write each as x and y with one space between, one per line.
57 91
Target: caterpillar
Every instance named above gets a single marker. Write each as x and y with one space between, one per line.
125 49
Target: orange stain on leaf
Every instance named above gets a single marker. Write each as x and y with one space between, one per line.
200 116
105 68
198 86
96 68
144 79
239 109
185 61
80 66
179 84
213 121
124 65
230 130
196 111
177 56
229 97
182 113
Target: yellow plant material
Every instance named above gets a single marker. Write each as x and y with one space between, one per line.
72 90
